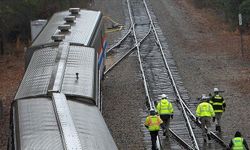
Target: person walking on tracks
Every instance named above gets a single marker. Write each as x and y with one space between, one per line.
204 113
219 106
238 142
152 123
165 110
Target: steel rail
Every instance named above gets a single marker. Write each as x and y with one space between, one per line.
138 54
126 54
145 83
192 116
183 143
137 45
151 105
172 80
120 41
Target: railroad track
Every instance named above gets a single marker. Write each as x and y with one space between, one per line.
160 76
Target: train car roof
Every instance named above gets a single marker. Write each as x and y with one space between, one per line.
39 127
81 30
63 67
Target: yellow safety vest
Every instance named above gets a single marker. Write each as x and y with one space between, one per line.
153 123
164 107
205 109
217 102
238 143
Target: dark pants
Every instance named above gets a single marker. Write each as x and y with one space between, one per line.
153 138
218 118
205 122
166 123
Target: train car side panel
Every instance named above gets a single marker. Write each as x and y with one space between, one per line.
63 75
81 60
91 127
38 73
82 29
36 127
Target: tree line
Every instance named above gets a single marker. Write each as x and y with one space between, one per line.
229 10
15 16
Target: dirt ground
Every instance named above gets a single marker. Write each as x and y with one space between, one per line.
11 73
206 53
207 56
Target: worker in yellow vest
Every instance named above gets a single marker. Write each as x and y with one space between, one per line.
152 123
238 143
219 105
166 111
204 113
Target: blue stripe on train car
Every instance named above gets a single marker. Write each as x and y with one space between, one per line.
103 54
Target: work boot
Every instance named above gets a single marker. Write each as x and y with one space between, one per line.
219 129
154 148
209 136
167 135
216 127
205 140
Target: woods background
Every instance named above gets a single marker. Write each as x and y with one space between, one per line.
15 16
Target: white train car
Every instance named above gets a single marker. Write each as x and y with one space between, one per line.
57 105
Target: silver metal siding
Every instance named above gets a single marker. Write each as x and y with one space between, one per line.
50 29
65 121
59 68
85 27
36 27
91 127
81 31
81 60
38 73
37 125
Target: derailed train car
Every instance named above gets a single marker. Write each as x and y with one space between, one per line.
57 105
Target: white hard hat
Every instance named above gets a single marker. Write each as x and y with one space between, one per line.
163 96
204 97
216 90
